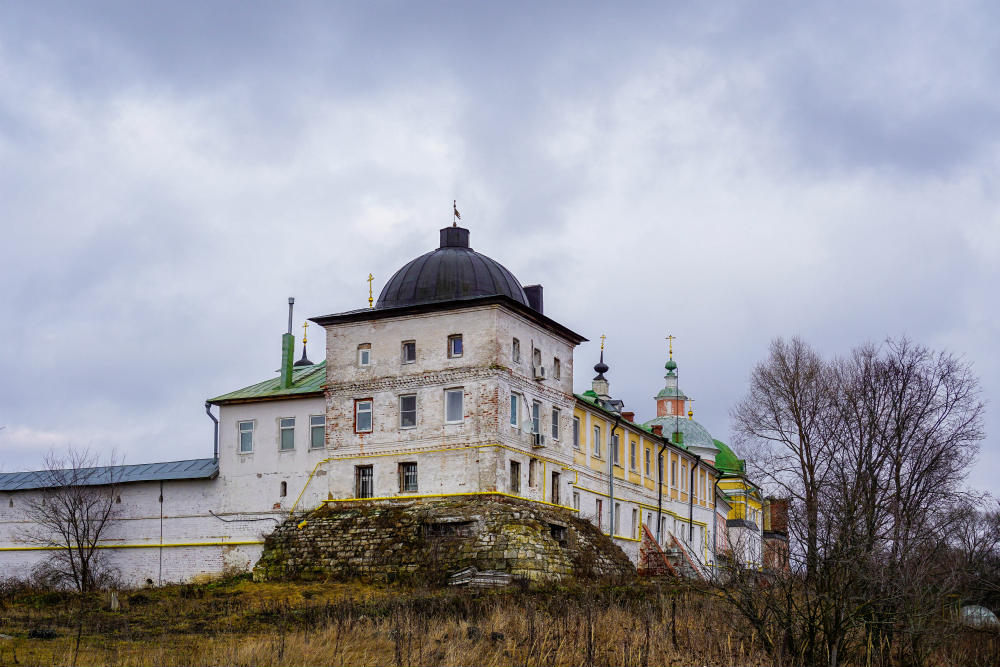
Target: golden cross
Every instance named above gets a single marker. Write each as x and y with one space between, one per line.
671 338
370 300
602 340
690 408
305 326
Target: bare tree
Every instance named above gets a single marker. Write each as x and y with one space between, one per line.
71 513
872 451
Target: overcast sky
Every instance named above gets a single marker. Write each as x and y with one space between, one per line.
170 173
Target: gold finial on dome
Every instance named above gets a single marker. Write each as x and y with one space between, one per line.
670 339
305 326
370 300
602 341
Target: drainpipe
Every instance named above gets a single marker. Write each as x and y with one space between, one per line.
715 524
611 475
697 460
659 491
215 431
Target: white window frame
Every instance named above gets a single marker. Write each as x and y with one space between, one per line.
365 355
313 425
515 409
556 416
402 352
556 368
536 417
515 351
282 428
648 461
452 339
615 456
448 392
633 456
576 434
401 411
240 431
371 414
596 445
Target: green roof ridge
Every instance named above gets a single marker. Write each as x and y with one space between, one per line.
305 380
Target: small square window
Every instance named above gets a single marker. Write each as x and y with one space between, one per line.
317 431
555 423
365 354
515 351
408 411
363 415
408 477
454 411
286 429
455 346
515 409
246 437
409 351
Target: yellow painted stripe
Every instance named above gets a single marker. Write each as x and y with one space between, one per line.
143 546
450 495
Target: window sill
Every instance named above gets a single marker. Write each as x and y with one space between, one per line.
285 451
407 428
459 423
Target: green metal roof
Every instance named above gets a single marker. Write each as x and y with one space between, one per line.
306 380
590 398
671 392
726 460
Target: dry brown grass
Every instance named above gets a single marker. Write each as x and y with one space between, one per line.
241 623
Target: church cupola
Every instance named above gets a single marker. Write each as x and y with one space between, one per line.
671 400
600 383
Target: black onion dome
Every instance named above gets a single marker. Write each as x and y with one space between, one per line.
453 271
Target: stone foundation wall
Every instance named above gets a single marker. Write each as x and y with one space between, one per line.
429 539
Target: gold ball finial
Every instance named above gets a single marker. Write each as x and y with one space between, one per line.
602 341
305 326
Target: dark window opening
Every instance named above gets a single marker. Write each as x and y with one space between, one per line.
450 529
364 482
558 533
515 477
284 489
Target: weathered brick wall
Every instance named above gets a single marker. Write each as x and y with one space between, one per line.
429 539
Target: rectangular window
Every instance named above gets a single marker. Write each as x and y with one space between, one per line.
684 483
536 417
649 462
533 473
632 461
555 488
618 519
364 482
455 346
246 437
286 433
556 369
408 353
673 473
317 431
363 415
576 433
408 477
576 500
515 351
515 477
597 441
614 449
453 410
599 513
536 357
635 524
515 403
365 354
555 423
408 411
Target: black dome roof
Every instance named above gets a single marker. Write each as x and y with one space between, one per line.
453 271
